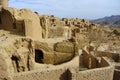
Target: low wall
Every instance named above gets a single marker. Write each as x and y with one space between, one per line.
105 73
62 73
103 63
114 56
116 73
48 74
89 60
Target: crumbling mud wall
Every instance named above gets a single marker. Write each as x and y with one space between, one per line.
89 60
17 55
48 74
46 26
48 53
103 62
59 53
21 21
4 3
52 27
105 73
62 73
114 56
6 67
7 17
116 73
21 55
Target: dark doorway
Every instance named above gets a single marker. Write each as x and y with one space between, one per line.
15 61
14 26
0 19
38 56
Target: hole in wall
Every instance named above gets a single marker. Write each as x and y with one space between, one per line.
38 56
15 59
14 26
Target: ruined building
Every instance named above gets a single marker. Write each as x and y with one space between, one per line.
3 3
44 47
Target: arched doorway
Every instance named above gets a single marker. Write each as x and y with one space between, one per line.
38 56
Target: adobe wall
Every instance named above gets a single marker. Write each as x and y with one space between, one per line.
96 74
89 60
116 73
31 23
6 17
52 27
4 3
104 70
6 68
48 74
67 32
55 54
103 62
16 55
114 56
56 31
21 21
61 73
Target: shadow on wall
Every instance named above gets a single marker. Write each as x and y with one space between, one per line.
116 73
66 75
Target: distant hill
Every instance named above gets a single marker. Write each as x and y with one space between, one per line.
113 21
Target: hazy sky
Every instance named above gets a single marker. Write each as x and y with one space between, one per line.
89 9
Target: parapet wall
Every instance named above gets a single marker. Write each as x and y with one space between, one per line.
116 73
114 56
62 73
48 74
4 3
96 74
103 63
105 73
89 60
16 55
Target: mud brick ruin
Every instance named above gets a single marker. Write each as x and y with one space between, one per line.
45 47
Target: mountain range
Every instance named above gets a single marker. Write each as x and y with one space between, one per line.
113 21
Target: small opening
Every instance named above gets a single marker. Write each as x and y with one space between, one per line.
14 26
83 20
66 22
0 20
54 25
36 12
15 59
38 56
53 20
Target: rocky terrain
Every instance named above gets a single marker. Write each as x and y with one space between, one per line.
112 21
